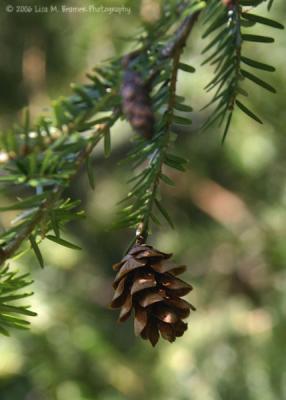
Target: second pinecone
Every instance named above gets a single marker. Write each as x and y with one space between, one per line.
136 103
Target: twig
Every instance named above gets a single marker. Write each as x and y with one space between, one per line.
180 36
174 48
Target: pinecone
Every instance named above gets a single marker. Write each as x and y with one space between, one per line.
146 282
137 102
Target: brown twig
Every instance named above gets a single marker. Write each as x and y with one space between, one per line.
174 49
180 36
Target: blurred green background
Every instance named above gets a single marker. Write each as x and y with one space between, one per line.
229 210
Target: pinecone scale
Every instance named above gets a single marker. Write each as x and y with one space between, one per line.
147 282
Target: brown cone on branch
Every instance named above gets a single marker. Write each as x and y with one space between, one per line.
146 282
136 101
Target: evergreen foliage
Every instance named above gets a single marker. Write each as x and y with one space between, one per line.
39 160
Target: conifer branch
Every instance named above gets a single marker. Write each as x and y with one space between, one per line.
54 195
175 50
228 17
156 152
28 149
42 160
13 315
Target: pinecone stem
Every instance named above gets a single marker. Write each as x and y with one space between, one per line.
141 234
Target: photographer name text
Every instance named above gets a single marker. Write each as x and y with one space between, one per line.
65 9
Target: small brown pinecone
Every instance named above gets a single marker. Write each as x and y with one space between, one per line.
146 282
136 103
